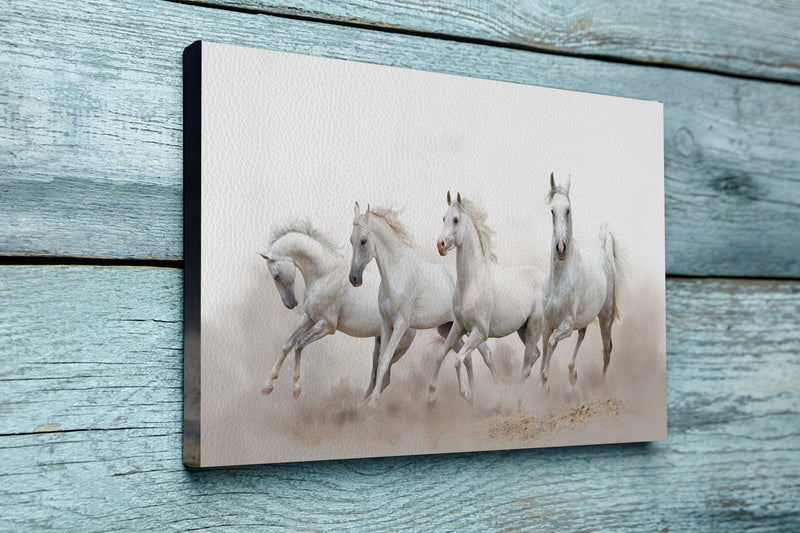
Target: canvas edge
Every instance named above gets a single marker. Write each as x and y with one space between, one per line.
192 122
192 78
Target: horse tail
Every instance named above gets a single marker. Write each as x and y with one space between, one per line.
618 265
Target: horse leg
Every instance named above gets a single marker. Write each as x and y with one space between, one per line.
304 326
453 338
573 375
605 332
488 358
563 331
468 366
405 343
530 336
467 362
376 350
546 333
472 342
394 333
319 330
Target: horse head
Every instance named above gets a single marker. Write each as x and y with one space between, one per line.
558 198
363 245
452 232
283 272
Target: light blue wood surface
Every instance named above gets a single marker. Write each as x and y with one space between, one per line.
748 38
92 148
91 357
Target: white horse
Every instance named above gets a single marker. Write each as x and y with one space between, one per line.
489 300
581 285
329 302
413 292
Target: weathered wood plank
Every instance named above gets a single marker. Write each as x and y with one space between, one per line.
90 359
91 160
743 38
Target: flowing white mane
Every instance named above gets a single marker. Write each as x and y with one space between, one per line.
478 216
392 219
304 227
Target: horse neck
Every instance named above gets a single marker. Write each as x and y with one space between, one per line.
310 257
389 249
469 255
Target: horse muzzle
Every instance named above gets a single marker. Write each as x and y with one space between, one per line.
442 247
355 279
561 250
290 301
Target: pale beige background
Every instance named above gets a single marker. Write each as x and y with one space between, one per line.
287 136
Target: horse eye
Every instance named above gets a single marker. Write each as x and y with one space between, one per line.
275 277
455 220
363 242
567 213
444 219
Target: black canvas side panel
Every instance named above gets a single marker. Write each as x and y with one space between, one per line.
192 98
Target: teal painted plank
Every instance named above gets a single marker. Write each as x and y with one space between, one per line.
91 360
91 145
742 38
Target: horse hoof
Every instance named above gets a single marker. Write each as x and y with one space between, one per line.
372 406
370 412
266 390
468 396
296 392
573 377
431 396
463 385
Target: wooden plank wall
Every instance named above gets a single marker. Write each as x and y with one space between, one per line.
91 286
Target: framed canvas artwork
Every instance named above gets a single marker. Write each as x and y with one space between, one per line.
383 261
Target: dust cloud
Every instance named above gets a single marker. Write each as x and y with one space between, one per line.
331 420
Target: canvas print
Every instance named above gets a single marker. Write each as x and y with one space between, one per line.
383 261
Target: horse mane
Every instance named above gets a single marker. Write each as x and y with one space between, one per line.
304 227
392 219
478 216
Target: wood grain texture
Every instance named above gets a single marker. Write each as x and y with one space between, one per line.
90 430
742 38
91 136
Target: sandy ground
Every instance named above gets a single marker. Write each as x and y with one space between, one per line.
330 419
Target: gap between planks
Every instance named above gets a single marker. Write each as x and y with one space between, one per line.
308 16
178 264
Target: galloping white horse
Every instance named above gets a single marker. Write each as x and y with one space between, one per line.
581 285
329 303
413 292
489 300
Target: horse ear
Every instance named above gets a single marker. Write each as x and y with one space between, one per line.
552 181
569 180
265 256
449 202
366 214
458 200
356 211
